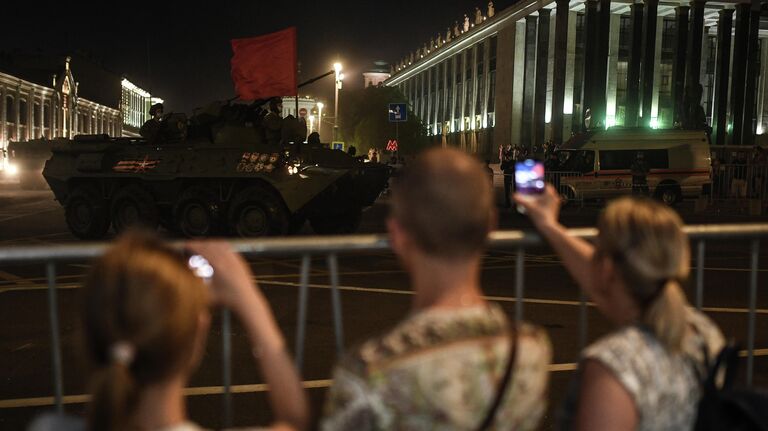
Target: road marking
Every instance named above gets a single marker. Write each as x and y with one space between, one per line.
251 388
7 276
382 290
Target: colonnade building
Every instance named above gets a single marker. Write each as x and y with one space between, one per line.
41 99
532 72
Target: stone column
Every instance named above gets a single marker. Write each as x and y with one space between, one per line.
529 81
540 97
3 113
633 68
518 89
602 40
591 28
750 86
611 87
678 67
570 72
649 58
693 66
558 83
739 72
720 115
505 78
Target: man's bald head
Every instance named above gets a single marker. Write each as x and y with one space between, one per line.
445 203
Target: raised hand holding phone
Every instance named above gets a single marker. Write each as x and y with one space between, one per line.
529 180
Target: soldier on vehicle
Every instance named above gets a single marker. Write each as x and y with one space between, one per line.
151 128
273 122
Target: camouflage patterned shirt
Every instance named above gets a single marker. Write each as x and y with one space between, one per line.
440 369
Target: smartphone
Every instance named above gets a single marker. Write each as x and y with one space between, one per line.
200 267
529 179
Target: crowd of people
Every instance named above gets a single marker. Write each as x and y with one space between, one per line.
456 361
740 174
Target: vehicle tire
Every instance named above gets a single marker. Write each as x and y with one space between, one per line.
197 212
567 197
345 223
668 194
133 206
86 213
257 212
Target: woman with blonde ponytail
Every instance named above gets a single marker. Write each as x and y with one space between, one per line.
644 374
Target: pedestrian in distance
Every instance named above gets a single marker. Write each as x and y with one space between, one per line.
508 169
645 374
456 361
146 319
640 172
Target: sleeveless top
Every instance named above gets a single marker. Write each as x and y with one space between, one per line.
664 386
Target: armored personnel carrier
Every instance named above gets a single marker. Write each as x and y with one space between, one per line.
211 174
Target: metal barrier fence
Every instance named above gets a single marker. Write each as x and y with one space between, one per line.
331 247
730 181
554 178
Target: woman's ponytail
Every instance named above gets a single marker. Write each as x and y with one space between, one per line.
114 397
665 316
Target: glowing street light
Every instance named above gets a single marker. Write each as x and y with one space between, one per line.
320 106
339 78
311 123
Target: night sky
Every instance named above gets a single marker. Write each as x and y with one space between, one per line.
188 42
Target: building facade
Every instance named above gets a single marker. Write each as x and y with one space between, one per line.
535 71
31 110
42 99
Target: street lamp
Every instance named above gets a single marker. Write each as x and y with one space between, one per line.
320 106
339 78
312 123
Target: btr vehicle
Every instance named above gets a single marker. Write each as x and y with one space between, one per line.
215 173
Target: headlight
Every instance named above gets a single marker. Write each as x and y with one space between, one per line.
12 170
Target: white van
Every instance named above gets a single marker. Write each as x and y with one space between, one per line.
679 163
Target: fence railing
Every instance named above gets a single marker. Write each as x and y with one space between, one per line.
330 247
739 182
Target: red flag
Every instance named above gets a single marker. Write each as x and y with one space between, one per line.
265 66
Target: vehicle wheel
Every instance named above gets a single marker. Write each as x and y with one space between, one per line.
133 206
669 195
566 197
338 224
86 213
256 212
197 212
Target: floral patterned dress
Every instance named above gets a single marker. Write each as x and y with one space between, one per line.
439 369
664 386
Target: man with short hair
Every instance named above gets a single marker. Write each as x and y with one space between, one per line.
445 365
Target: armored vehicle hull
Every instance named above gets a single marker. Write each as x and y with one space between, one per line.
225 181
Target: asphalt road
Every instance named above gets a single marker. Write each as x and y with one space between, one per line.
374 296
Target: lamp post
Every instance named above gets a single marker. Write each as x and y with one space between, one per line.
320 106
339 78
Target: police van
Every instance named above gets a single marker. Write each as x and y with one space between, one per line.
598 164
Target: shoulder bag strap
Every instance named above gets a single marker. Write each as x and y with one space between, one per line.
504 383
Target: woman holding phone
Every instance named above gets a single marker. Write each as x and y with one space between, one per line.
643 375
146 321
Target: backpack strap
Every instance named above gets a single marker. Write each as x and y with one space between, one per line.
504 383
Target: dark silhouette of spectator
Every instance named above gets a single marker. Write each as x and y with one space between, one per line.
645 374
352 151
443 365
640 172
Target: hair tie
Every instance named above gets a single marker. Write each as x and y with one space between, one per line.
122 353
